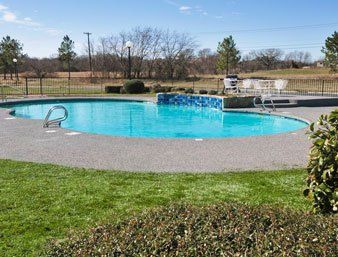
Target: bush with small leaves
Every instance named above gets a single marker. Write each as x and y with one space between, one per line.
179 89
189 91
323 165
112 89
134 87
212 92
157 88
217 230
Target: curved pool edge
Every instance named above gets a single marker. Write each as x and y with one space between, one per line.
11 112
26 140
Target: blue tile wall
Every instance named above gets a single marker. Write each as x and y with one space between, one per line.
190 100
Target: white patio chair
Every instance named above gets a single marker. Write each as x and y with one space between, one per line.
257 86
280 85
247 84
229 86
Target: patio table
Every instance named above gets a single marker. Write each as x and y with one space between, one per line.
266 85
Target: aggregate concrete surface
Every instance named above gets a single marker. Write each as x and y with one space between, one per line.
26 140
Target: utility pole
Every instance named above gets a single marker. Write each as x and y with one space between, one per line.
89 53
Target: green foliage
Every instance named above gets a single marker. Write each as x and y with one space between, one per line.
50 200
9 49
112 89
212 92
156 88
203 92
331 52
217 230
66 52
189 91
229 55
323 165
134 87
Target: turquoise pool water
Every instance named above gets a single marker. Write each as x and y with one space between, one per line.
149 120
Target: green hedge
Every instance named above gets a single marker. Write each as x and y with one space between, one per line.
134 87
323 164
112 89
226 230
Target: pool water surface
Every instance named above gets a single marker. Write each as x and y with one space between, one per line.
149 120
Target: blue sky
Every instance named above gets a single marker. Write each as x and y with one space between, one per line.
41 24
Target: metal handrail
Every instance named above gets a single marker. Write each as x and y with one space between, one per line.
262 105
56 121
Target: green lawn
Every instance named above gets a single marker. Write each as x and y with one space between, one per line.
38 201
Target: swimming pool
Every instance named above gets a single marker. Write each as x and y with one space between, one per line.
149 120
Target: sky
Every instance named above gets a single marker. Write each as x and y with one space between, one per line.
290 25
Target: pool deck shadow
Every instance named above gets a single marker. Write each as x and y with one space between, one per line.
26 140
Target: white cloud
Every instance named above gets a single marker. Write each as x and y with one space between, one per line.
8 16
185 9
2 7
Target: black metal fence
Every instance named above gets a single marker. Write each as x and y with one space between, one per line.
96 86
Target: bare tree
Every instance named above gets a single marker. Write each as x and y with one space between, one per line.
175 48
298 59
268 57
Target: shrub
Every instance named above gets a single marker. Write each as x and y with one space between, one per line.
212 92
134 87
229 230
180 89
122 90
323 165
156 88
203 92
167 89
189 91
112 89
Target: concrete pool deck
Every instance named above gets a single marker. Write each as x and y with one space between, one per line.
26 140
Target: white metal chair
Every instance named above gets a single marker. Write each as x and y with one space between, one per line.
257 86
229 86
247 84
280 85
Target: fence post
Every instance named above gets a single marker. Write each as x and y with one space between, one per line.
217 86
41 93
68 86
26 83
323 82
101 85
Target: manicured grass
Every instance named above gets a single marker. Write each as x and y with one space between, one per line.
39 202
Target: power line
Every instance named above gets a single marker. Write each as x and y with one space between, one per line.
287 45
314 26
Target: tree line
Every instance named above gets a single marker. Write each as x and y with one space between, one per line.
160 54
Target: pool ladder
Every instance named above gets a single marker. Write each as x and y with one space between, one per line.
47 122
263 99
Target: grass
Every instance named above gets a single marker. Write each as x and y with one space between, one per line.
40 201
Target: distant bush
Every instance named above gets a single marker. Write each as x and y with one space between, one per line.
180 89
134 87
167 88
203 92
157 88
189 91
122 90
212 92
112 89
323 165
230 230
